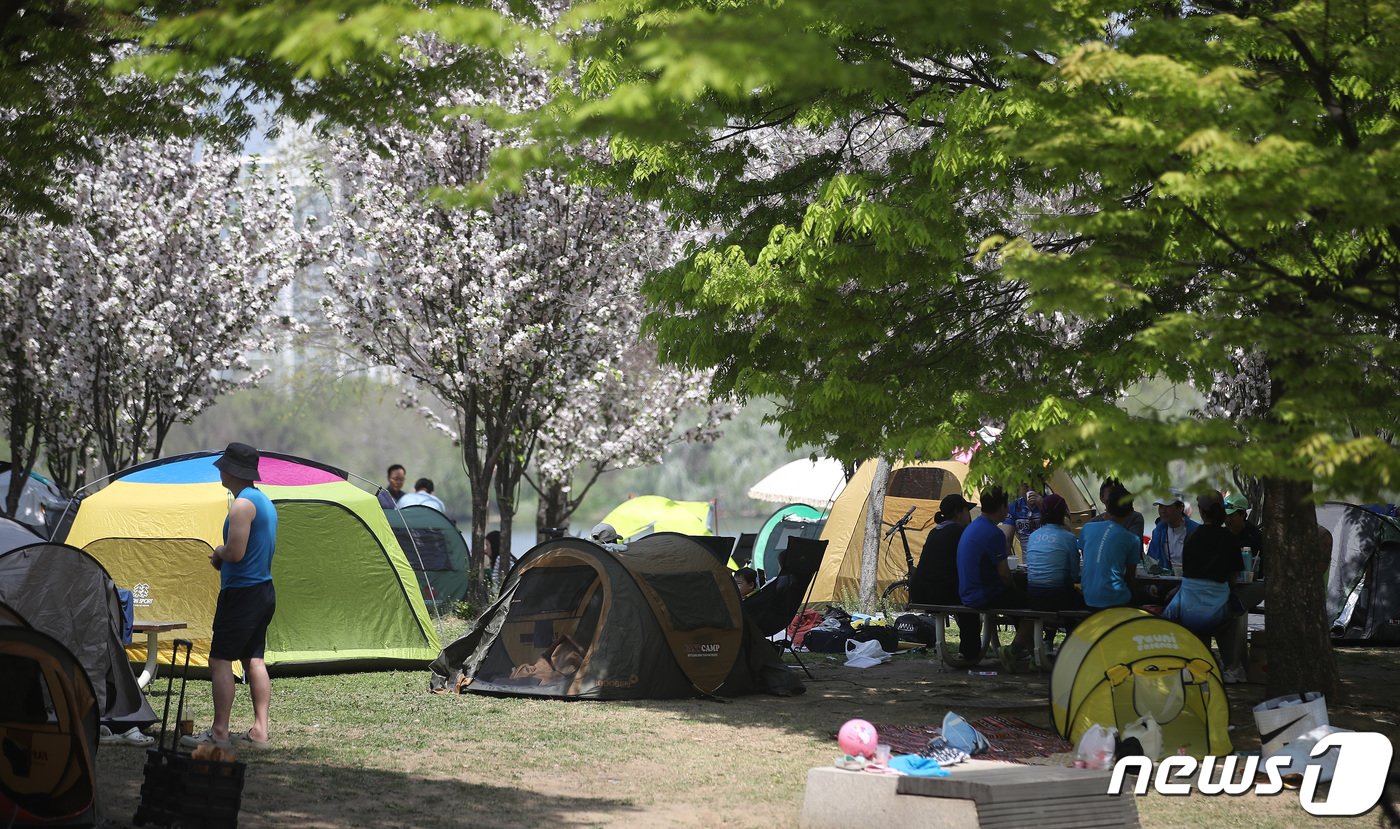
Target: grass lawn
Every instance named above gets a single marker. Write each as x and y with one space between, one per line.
376 750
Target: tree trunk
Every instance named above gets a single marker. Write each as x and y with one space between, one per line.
1297 637
554 509
874 523
478 577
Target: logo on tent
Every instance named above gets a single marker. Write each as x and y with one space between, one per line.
141 595
1156 641
702 650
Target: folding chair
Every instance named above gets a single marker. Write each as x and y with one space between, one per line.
773 607
743 551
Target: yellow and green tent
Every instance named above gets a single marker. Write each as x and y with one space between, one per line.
647 514
346 596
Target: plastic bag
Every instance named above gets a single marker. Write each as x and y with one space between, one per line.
1095 749
1148 734
865 654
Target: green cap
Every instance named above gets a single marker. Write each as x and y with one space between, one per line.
1236 503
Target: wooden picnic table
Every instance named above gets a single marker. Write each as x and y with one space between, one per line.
153 630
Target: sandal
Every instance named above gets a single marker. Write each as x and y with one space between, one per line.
243 738
941 752
131 737
205 736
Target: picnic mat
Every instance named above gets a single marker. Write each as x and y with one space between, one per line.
1011 739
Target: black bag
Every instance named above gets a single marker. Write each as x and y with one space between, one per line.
915 628
827 639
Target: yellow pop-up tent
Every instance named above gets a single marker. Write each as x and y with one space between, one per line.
658 514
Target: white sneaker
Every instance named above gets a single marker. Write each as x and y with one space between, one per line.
1234 676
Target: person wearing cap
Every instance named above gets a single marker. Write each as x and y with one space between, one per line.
246 601
935 577
422 494
1170 534
1210 561
1112 552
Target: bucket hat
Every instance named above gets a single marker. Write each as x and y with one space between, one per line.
239 460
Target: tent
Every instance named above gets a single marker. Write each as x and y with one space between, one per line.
919 485
40 504
14 534
435 550
644 514
659 619
48 728
346 596
1122 664
804 481
1363 580
65 593
786 522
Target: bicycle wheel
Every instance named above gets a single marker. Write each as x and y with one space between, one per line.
896 596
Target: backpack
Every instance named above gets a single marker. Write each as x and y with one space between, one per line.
915 628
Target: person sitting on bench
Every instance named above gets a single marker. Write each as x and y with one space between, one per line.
935 579
984 577
1052 563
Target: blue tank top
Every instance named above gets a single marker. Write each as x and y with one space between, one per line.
256 565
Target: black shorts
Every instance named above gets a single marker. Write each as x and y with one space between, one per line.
240 622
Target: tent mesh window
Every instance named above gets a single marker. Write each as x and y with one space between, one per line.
430 547
917 482
693 600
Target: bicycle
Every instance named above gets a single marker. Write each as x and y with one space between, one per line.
898 592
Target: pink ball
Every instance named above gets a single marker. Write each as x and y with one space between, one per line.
858 738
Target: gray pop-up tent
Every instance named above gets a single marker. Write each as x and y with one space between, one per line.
14 534
660 619
1363 580
65 593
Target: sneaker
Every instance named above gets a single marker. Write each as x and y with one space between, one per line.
205 736
1234 676
1013 661
944 754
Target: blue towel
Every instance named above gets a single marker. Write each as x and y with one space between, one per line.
917 765
128 614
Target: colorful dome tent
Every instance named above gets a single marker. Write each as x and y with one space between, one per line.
786 522
65 593
1122 664
346 596
660 619
919 486
645 514
435 550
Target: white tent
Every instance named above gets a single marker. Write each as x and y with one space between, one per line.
815 483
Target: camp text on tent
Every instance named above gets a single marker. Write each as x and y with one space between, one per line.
1363 760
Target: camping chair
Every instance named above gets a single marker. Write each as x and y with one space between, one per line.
743 551
777 602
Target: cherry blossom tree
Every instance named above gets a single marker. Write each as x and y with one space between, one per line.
625 415
504 313
143 309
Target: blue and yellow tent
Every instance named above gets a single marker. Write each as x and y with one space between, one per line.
346 596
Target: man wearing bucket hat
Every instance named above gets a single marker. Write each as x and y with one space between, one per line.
247 600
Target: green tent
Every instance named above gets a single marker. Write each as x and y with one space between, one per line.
792 520
346 597
435 550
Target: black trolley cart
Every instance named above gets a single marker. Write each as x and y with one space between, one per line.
178 790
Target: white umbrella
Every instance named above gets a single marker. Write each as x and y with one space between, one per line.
815 483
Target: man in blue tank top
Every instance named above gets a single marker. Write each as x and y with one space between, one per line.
246 598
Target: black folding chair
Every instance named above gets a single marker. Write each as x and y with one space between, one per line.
743 551
773 607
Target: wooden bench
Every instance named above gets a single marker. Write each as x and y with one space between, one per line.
1039 655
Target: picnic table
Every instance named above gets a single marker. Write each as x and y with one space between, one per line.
153 630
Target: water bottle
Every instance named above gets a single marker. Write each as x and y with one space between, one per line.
1247 554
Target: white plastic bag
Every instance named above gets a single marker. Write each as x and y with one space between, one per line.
865 654
1299 751
1148 734
1096 748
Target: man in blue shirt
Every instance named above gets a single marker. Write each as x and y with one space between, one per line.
246 598
1169 536
984 577
1111 554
